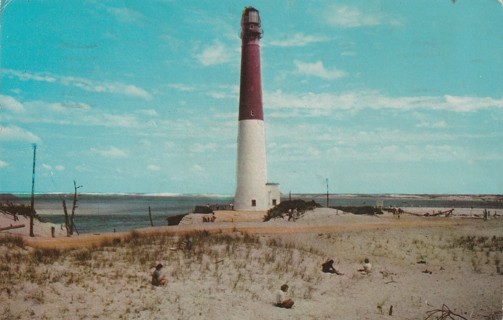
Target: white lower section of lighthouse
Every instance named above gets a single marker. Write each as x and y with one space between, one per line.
252 191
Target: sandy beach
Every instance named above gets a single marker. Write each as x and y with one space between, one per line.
235 265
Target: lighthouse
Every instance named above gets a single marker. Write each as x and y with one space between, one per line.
253 192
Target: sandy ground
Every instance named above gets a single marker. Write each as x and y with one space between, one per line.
238 262
39 229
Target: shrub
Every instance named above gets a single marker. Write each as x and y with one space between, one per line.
301 206
18 209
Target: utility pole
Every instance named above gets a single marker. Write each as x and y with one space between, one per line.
32 215
327 192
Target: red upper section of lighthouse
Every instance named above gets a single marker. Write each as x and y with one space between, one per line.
250 94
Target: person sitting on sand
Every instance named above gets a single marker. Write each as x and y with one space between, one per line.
157 279
281 301
367 267
328 267
188 243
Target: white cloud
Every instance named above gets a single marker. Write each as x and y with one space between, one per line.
358 100
25 76
220 95
112 152
60 106
326 141
106 87
203 147
197 168
126 15
131 90
111 120
14 133
353 17
81 114
317 69
148 112
401 153
146 143
437 124
297 40
10 104
84 84
153 167
49 167
3 164
181 87
466 104
82 168
215 54
121 120
427 152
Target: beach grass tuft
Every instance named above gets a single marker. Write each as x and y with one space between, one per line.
11 241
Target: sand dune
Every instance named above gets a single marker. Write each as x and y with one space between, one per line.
236 264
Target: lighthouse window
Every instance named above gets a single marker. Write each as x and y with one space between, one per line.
254 203
253 16
251 113
274 202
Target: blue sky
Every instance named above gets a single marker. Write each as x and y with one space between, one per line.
142 96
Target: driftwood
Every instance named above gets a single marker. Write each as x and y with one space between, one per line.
444 313
447 213
12 227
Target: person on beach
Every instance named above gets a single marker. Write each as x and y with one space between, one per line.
281 301
188 243
290 214
157 278
328 267
367 267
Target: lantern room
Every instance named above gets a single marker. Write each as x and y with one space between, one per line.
250 24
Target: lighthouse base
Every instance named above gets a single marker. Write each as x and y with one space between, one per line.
270 198
253 193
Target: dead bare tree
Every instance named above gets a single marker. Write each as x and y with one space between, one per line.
69 222
150 216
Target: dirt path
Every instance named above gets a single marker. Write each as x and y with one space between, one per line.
254 227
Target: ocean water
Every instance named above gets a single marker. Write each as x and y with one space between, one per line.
97 213
107 213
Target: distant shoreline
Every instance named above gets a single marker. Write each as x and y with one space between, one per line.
498 198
